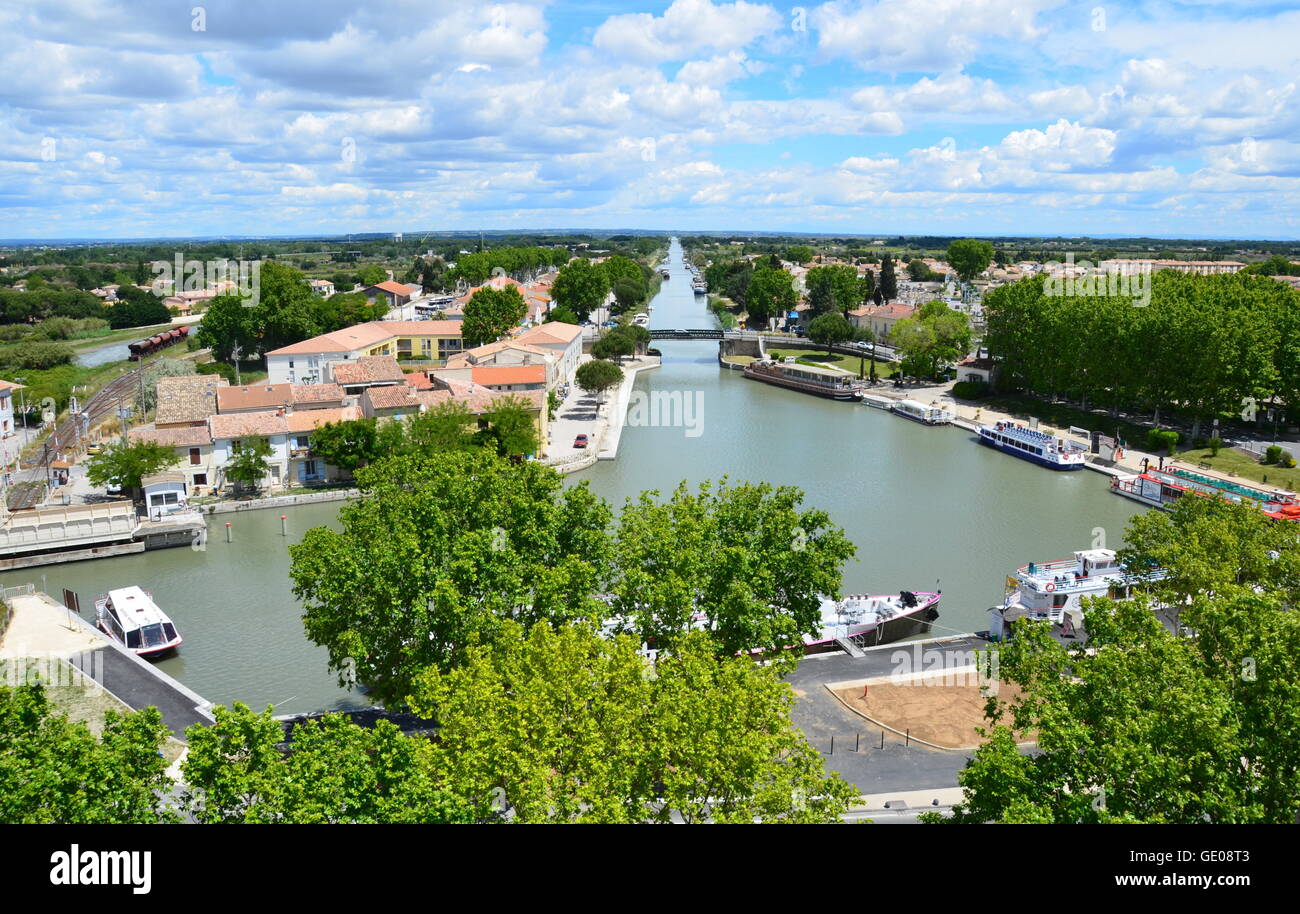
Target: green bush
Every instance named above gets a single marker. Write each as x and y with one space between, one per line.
35 356
221 368
1160 439
970 390
1215 444
1273 454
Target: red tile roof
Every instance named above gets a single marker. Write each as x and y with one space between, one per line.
489 375
254 397
374 369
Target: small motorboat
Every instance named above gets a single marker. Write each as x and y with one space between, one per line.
130 617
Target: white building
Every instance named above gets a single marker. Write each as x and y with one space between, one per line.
10 442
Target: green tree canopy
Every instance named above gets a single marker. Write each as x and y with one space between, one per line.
581 286
125 464
249 465
770 294
830 330
492 313
969 257
598 376
582 731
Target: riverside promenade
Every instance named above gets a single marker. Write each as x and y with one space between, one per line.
602 423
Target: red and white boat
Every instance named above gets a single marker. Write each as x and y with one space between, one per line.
131 618
1163 488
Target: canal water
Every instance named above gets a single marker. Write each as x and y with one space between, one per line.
926 507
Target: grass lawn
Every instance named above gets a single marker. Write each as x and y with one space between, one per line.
106 337
848 363
1231 461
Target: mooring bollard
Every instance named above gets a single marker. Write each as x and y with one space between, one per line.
832 744
882 739
228 531
857 742
284 525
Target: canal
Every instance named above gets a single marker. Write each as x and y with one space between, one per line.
926 507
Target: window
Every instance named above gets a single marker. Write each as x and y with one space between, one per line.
196 456
200 479
275 473
302 441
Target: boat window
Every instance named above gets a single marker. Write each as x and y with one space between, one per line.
153 635
170 631
133 638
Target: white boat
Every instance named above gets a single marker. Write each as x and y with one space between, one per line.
1048 590
922 412
877 619
130 617
824 382
1033 445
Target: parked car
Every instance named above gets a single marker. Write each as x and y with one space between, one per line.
863 344
610 324
93 449
580 441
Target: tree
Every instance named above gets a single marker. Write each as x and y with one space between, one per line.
932 338
287 309
442 550
888 286
770 294
347 309
799 254
580 732
512 430
125 464
613 345
228 325
581 287
1142 725
249 465
627 295
56 772
969 257
137 308
598 376
347 445
490 314
563 315
334 771
372 274
830 330
445 427
746 558
834 288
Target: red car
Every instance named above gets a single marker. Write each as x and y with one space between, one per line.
580 441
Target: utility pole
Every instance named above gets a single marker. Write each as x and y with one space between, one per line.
234 357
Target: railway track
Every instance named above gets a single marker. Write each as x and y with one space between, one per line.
104 403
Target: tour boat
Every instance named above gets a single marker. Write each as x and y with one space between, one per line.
1163 488
130 617
699 286
1029 444
1046 590
923 413
807 378
874 620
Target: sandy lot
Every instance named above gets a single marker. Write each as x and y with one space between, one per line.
945 715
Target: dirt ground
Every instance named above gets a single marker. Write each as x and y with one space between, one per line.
945 715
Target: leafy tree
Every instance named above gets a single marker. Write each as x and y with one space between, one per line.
746 557
249 465
228 325
443 549
581 286
563 315
372 274
770 294
932 338
598 376
627 295
969 257
834 288
125 464
580 733
347 309
830 330
1142 725
888 286
799 254
55 771
613 345
287 311
137 308
492 313
512 428
334 771
445 427
347 445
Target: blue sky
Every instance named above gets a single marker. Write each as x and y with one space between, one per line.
147 118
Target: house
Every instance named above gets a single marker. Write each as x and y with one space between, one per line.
322 287
367 372
10 443
562 340
509 378
502 352
164 494
254 398
880 319
975 368
305 467
312 361
395 294
393 402
187 400
232 431
196 462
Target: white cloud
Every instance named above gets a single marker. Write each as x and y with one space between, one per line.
688 28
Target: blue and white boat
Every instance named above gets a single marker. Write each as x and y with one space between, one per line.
1029 444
